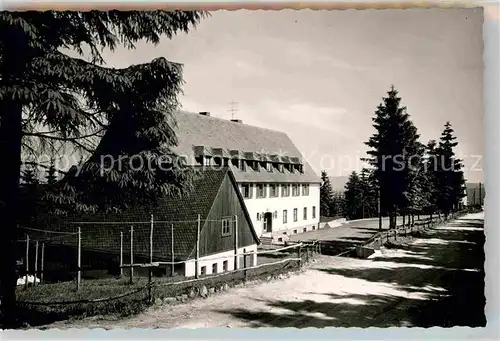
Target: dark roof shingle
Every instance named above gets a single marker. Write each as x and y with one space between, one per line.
195 132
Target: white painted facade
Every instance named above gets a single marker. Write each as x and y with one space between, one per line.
277 206
219 259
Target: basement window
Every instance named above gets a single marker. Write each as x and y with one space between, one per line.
203 270
224 266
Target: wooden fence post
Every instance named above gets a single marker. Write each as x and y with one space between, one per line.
245 266
131 254
236 242
197 270
172 267
299 255
42 262
79 260
151 240
27 261
150 284
121 253
36 262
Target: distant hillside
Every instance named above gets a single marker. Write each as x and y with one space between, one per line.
338 183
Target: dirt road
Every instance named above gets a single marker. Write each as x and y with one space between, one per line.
435 280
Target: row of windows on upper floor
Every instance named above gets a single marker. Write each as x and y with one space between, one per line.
260 216
255 165
274 190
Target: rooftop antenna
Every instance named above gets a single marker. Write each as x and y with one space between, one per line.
233 108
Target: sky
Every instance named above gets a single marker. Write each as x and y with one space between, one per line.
319 75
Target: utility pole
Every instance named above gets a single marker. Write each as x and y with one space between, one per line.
480 196
379 213
233 109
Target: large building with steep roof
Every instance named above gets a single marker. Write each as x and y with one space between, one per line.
279 187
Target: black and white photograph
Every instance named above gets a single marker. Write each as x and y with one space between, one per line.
242 169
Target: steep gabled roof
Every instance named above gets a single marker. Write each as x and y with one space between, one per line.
195 131
101 232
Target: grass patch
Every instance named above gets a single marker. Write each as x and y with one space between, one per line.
44 314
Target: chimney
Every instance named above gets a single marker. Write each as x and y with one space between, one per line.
204 113
237 121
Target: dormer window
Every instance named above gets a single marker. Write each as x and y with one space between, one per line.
235 163
207 161
218 161
269 166
243 165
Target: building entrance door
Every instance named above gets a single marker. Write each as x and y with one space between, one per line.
268 222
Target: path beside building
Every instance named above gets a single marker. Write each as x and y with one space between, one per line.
436 280
356 230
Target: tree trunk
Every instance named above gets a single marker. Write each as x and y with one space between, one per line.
12 66
404 217
412 219
10 149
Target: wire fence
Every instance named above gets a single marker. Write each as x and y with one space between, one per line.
150 288
75 251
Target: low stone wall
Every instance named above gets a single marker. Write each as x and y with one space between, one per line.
205 291
332 223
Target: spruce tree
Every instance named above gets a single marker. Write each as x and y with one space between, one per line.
431 177
391 147
326 196
51 173
450 177
354 196
47 96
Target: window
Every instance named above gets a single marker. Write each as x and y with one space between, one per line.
258 216
254 165
285 190
226 227
214 268
294 231
261 191
235 163
243 166
295 214
273 191
218 161
275 214
314 212
203 270
304 229
305 213
285 216
269 166
295 190
207 161
247 191
224 266
281 168
305 189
